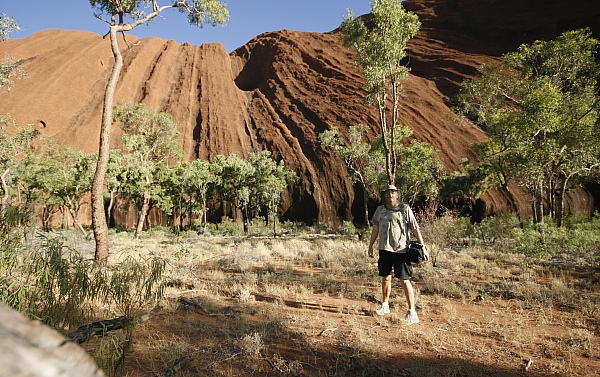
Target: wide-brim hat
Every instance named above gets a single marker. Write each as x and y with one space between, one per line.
389 188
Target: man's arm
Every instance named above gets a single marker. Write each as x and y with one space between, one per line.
374 235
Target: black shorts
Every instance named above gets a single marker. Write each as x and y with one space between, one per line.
402 267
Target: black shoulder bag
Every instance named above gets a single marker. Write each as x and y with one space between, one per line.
415 252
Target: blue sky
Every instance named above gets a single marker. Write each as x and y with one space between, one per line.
249 18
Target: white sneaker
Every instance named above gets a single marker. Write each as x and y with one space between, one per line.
411 318
384 308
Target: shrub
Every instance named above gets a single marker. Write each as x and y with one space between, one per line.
575 241
495 229
347 229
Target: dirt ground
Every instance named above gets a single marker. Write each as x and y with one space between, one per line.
284 317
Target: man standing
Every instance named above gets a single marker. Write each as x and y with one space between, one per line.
392 222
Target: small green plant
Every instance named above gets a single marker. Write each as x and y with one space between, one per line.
347 229
227 227
110 352
131 284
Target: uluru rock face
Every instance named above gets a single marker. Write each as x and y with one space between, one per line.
282 89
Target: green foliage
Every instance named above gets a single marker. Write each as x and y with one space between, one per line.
148 135
15 222
234 181
577 240
418 172
110 352
347 229
47 284
30 179
227 227
418 166
59 177
7 26
381 49
190 185
212 12
9 68
530 241
448 230
468 183
362 165
150 139
200 184
269 180
66 174
12 148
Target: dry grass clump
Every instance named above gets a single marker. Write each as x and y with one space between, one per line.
251 345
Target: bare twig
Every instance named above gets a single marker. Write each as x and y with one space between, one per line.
177 365
528 364
325 331
194 304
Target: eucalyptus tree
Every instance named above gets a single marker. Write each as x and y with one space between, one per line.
123 16
252 183
150 139
467 184
200 179
234 180
269 180
539 106
66 175
33 173
380 55
569 63
419 169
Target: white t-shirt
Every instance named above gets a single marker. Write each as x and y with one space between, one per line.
394 227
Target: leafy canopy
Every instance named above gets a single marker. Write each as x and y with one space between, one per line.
200 12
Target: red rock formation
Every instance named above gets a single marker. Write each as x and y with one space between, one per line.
280 90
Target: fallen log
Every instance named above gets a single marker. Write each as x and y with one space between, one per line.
101 328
